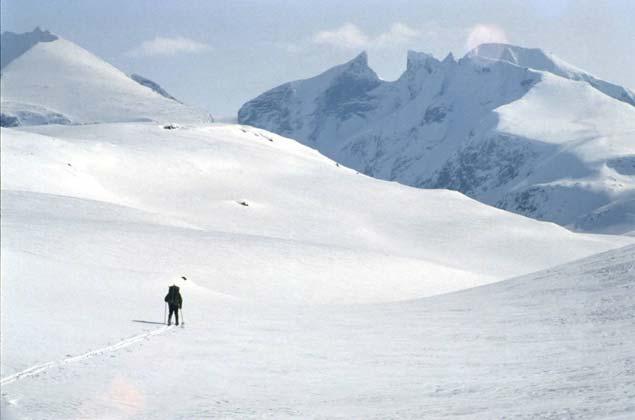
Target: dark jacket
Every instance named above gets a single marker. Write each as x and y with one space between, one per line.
173 298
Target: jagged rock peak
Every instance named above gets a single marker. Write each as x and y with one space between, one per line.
44 35
417 59
357 68
359 64
449 59
361 59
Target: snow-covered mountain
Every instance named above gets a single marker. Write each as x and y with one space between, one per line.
509 126
49 80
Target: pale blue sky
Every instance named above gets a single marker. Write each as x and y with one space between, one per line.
218 54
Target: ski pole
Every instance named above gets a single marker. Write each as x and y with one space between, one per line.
182 318
165 313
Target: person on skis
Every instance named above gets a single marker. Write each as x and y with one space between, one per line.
175 302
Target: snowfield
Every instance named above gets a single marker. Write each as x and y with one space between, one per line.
301 208
304 287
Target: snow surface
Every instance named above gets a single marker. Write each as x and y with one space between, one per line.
556 344
58 82
296 304
508 126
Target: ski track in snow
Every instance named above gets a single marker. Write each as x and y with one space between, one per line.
39 368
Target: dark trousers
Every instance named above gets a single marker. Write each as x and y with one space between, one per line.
173 310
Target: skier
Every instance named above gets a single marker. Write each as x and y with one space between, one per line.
175 302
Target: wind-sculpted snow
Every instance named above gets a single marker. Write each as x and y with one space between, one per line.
509 126
58 82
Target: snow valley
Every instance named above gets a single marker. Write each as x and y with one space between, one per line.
313 290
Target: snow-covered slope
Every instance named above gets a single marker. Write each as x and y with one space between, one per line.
106 214
511 127
55 81
299 204
83 278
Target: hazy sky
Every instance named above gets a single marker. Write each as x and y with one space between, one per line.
218 54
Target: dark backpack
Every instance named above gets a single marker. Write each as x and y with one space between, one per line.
173 298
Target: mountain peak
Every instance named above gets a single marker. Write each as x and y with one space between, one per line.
360 59
45 35
359 65
417 59
537 59
357 68
521 56
449 58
